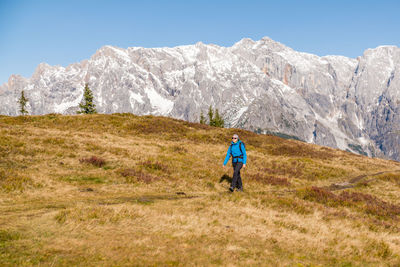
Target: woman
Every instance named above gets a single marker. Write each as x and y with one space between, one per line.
237 151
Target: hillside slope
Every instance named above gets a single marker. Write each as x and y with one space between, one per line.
127 190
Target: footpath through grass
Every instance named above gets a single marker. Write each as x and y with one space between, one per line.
123 190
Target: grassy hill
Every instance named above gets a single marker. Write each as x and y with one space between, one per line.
126 190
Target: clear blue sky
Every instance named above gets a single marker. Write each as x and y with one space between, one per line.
62 32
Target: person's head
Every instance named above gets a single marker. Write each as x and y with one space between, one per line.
235 138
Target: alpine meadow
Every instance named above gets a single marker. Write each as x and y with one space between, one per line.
125 190
199 133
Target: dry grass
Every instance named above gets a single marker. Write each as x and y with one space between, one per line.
268 179
368 203
95 161
132 176
13 181
123 190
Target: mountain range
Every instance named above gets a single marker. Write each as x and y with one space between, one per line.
263 86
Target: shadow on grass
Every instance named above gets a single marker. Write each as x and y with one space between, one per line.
225 177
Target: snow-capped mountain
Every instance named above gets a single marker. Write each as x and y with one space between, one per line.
260 85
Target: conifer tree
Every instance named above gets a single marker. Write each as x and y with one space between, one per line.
211 117
202 118
22 103
87 106
214 119
218 121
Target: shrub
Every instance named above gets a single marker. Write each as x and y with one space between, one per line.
371 204
95 161
319 194
364 202
132 175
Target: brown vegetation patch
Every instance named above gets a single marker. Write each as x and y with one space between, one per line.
372 204
132 175
155 166
95 161
366 202
319 194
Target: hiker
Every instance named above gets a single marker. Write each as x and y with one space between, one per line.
237 151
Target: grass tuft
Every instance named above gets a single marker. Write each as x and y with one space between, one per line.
8 235
12 181
132 176
390 177
155 166
379 248
95 161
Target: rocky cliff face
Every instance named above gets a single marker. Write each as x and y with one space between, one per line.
260 85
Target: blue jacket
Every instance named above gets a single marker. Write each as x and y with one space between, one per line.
234 151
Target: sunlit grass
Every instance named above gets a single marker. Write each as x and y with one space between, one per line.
121 190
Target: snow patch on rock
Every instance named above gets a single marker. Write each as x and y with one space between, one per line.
136 97
160 104
62 107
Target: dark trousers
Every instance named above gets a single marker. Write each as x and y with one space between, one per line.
237 180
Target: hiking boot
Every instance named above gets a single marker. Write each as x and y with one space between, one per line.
231 189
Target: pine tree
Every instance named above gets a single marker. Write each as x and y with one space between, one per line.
211 121
87 106
218 121
202 118
213 117
22 104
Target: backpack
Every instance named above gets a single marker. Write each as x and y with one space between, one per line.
241 151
